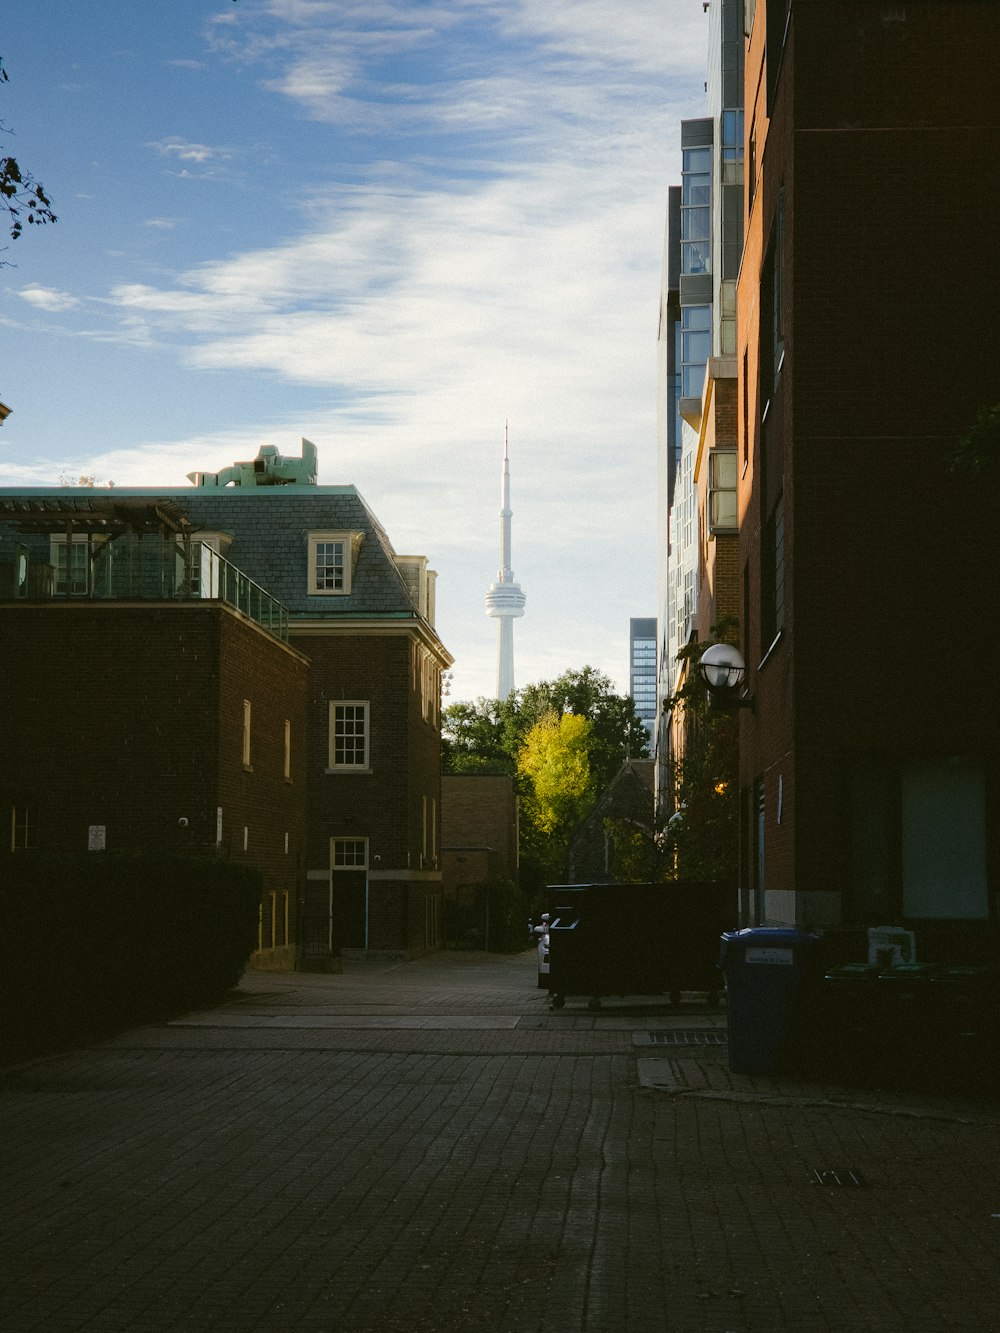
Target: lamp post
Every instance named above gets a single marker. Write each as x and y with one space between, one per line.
724 671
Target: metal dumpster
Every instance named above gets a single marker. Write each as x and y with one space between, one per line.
636 939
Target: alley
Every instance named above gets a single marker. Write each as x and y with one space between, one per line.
425 1148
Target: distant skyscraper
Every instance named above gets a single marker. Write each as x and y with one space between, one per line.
505 600
642 671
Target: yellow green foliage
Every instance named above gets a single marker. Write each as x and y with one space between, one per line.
555 761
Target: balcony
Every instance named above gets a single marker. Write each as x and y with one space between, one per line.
132 568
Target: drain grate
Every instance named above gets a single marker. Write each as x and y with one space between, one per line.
688 1037
841 1176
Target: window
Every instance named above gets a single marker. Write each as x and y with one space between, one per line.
287 763
772 576
696 348
23 828
722 490
349 735
772 303
746 411
696 211
732 147
330 562
350 853
246 732
70 559
917 838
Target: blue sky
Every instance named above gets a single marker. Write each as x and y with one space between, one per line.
388 227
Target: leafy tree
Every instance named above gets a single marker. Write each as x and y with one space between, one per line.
489 735
555 761
617 731
21 194
476 737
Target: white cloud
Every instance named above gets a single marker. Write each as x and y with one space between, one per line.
183 151
492 252
48 299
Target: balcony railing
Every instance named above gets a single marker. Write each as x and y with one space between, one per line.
138 570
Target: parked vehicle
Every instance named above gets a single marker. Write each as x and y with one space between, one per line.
540 933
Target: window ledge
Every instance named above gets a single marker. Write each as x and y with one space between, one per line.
248 768
774 644
347 768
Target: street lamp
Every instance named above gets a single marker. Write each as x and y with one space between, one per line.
724 671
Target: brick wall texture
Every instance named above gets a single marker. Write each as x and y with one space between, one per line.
882 146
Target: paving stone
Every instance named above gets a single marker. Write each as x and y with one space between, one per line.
410 1162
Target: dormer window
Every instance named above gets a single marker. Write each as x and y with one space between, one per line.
331 562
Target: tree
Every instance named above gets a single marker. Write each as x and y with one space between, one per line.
554 760
489 736
476 737
22 195
617 731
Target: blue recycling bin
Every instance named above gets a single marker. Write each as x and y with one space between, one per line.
769 973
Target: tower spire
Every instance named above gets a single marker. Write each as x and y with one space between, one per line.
505 600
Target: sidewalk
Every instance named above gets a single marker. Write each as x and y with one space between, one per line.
425 1148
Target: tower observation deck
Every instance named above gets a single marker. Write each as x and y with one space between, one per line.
505 600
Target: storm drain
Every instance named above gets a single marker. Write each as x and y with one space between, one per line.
843 1176
681 1037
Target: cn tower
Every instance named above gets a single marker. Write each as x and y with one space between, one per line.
505 600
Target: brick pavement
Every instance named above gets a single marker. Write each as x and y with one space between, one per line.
298 1160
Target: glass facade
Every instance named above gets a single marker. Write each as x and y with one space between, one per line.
696 211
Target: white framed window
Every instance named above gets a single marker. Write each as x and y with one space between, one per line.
350 853
349 735
70 558
722 491
287 763
331 561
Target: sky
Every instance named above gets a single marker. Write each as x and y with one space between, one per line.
395 228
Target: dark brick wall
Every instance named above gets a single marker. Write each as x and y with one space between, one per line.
131 717
884 136
479 811
386 805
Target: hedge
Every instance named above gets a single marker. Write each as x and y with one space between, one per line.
98 941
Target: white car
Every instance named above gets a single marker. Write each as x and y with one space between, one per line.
541 932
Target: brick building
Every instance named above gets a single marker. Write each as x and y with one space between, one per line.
260 664
697 397
479 848
869 337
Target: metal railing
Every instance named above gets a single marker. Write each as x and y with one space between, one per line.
131 569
